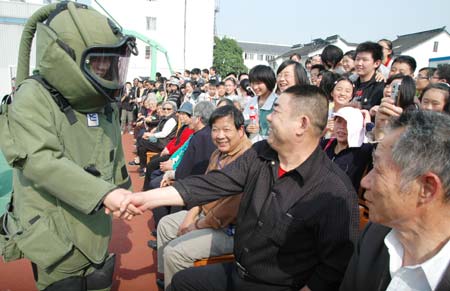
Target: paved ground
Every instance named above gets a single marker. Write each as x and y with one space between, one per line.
135 265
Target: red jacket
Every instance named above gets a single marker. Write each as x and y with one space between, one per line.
181 137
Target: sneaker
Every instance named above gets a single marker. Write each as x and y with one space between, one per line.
152 244
160 284
133 163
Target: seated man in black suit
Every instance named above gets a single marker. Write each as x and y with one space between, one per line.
406 246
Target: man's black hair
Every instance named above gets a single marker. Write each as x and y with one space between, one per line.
331 56
410 61
227 110
371 47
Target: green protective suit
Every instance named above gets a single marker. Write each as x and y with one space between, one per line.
56 219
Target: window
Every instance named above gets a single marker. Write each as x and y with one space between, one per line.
269 58
148 52
435 47
151 23
260 57
249 56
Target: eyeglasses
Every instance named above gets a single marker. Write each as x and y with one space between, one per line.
419 77
167 109
434 77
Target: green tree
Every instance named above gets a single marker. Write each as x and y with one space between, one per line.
227 56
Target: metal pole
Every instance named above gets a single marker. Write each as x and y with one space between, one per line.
184 46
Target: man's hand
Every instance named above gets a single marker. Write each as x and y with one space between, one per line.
388 108
164 152
168 178
253 128
186 226
166 166
137 203
146 135
379 77
113 202
384 113
330 125
140 201
189 220
366 116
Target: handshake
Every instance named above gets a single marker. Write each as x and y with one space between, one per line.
125 204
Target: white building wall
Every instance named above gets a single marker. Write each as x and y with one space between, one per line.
10 34
194 50
131 15
250 63
423 52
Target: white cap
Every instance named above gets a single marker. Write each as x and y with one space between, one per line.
355 125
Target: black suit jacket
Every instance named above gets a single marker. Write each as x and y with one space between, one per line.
369 267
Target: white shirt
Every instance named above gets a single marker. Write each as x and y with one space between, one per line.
167 128
422 277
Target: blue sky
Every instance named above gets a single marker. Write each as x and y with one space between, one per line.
298 21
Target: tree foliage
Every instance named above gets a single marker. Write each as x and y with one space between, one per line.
227 56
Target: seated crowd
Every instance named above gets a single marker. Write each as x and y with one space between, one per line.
272 167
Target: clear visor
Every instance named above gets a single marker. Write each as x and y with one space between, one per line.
108 66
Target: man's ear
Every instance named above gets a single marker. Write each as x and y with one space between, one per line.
431 188
303 124
377 63
241 131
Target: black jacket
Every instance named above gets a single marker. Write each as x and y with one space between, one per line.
196 159
368 93
369 267
291 231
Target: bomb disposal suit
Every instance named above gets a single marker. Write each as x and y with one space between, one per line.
61 134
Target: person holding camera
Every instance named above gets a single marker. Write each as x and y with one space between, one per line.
399 95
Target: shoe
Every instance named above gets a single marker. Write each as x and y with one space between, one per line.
160 283
154 233
152 244
133 163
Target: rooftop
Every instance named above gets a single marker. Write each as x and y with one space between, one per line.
314 45
408 41
263 48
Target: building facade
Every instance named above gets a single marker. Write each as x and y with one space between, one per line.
315 47
261 53
185 28
428 48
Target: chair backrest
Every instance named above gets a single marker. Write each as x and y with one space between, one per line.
214 260
363 214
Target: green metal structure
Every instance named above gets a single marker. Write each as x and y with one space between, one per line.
155 47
